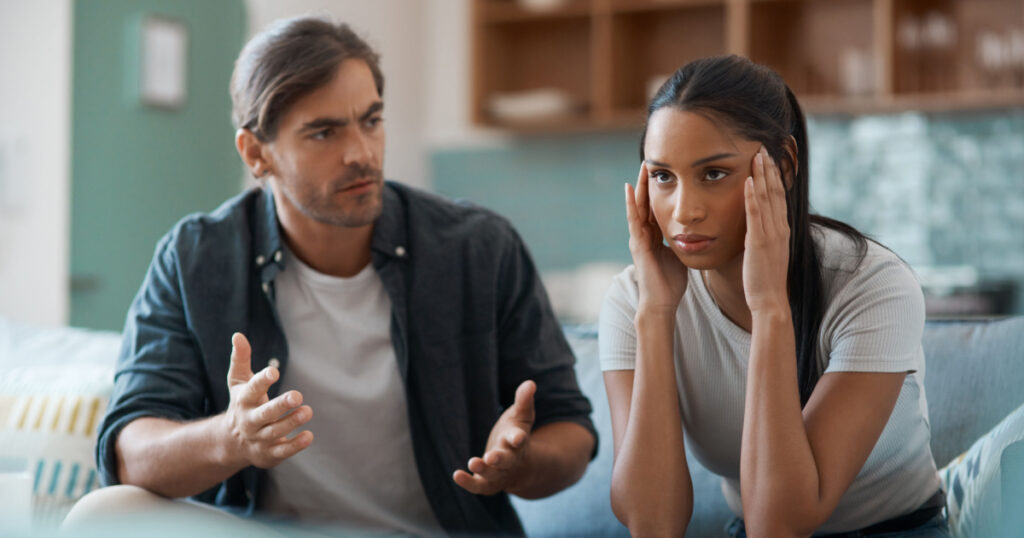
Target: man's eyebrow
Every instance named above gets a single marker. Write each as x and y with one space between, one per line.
376 107
321 123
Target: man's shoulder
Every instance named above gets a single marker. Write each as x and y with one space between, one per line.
431 215
215 231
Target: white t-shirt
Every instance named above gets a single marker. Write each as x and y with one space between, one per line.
360 471
873 322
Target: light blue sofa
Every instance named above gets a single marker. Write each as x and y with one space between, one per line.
974 377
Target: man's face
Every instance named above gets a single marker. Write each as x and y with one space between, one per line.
329 150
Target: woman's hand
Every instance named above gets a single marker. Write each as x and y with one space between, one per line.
766 256
660 274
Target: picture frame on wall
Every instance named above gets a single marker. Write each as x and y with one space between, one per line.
163 62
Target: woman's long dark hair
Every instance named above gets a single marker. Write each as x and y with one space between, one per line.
754 102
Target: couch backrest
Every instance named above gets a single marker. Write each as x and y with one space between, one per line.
974 377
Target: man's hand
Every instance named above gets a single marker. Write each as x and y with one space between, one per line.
257 427
503 465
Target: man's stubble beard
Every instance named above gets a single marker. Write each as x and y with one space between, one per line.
367 207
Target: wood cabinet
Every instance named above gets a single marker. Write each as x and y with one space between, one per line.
592 64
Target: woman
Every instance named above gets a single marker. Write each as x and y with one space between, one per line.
786 344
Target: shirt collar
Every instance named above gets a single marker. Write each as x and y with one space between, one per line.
389 232
268 255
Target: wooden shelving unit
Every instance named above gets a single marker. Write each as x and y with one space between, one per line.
839 56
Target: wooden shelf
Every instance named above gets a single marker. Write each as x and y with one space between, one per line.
842 57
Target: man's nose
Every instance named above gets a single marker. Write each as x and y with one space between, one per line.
357 148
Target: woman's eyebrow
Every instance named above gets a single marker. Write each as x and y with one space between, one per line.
699 162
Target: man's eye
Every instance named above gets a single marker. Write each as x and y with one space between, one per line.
322 134
375 121
715 175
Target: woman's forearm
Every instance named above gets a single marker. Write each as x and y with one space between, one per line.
778 472
651 489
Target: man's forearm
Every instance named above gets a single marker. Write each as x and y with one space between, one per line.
174 459
559 453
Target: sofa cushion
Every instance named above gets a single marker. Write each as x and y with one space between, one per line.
974 378
984 484
54 391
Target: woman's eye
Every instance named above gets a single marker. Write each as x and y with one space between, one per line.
661 177
715 175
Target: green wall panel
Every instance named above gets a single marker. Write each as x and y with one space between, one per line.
136 170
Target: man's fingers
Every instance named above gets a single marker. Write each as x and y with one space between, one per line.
524 411
490 474
470 483
289 447
257 387
240 369
286 425
499 458
276 408
516 437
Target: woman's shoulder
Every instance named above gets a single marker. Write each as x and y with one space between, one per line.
623 288
839 253
854 275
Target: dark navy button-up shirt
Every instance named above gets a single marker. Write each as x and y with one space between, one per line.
470 321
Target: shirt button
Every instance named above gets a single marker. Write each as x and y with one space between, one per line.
399 251
266 287
248 494
260 260
274 363
277 256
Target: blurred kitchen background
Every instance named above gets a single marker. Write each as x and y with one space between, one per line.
115 123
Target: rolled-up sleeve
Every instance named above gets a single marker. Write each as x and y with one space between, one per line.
159 372
532 344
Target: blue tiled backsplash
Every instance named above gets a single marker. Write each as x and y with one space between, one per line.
940 190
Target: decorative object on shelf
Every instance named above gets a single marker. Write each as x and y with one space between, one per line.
163 56
531 105
856 72
542 6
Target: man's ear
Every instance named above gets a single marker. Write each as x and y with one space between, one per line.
791 167
253 152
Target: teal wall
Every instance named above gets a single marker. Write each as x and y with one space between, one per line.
564 194
136 170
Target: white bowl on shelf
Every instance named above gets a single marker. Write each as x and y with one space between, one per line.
531 105
542 5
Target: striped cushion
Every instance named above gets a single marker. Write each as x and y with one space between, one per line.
50 407
977 488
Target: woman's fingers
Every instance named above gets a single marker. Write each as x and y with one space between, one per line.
754 227
775 190
643 196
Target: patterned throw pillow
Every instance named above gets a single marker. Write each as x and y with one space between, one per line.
983 484
53 393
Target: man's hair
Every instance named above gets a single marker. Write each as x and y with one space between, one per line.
287 61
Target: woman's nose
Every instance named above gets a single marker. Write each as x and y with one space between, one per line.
689 206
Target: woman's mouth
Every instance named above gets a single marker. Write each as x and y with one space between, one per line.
692 243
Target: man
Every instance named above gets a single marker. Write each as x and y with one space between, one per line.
335 348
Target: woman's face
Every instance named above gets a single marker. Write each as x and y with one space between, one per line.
696 170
